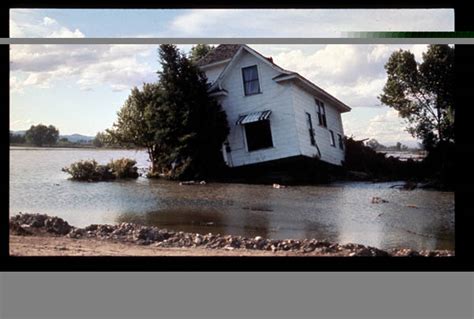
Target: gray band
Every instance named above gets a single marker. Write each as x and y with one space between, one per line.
155 41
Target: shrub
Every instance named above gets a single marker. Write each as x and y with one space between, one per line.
88 171
124 168
362 158
91 171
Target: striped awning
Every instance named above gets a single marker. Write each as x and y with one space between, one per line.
253 117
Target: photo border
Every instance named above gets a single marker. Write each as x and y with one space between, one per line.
464 93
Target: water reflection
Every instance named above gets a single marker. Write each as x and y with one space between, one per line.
342 212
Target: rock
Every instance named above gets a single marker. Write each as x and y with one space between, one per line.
21 230
198 240
76 233
57 225
92 227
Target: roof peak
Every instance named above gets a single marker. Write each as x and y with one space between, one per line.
219 53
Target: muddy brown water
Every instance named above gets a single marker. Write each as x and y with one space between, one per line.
340 212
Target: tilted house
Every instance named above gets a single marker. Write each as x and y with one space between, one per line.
272 113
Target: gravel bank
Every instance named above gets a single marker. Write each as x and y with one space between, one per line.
132 239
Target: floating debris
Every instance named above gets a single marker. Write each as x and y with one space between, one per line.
193 183
378 200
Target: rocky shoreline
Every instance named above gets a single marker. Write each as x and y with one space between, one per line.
44 225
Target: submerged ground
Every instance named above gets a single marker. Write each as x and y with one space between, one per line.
340 212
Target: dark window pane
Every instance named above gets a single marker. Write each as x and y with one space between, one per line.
341 141
331 133
321 113
258 135
250 77
310 129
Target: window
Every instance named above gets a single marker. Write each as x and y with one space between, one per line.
250 77
310 129
258 135
333 143
341 141
321 113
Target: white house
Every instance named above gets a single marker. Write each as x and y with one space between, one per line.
272 113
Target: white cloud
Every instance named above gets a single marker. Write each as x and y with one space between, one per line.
42 66
119 66
21 124
305 23
387 128
16 85
29 24
353 73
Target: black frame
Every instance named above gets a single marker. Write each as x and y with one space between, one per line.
463 193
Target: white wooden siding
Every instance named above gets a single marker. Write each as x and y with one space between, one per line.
288 103
214 72
275 97
304 102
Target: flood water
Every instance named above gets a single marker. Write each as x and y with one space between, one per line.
340 212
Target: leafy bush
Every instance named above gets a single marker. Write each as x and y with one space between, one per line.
91 171
124 168
361 158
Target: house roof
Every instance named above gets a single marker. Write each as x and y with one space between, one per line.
227 52
220 53
314 88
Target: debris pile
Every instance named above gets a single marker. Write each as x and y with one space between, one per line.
35 224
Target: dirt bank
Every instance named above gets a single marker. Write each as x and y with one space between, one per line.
42 235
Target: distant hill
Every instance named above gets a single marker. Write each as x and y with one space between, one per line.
77 137
18 132
74 138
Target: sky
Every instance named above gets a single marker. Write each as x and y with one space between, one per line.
80 88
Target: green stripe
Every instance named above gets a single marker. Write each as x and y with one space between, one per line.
411 34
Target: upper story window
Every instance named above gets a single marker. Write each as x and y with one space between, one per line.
250 77
321 113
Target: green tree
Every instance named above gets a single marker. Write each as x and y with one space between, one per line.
422 93
374 144
176 120
193 124
137 123
17 138
40 135
198 51
101 139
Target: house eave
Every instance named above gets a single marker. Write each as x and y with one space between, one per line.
314 89
210 65
218 93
